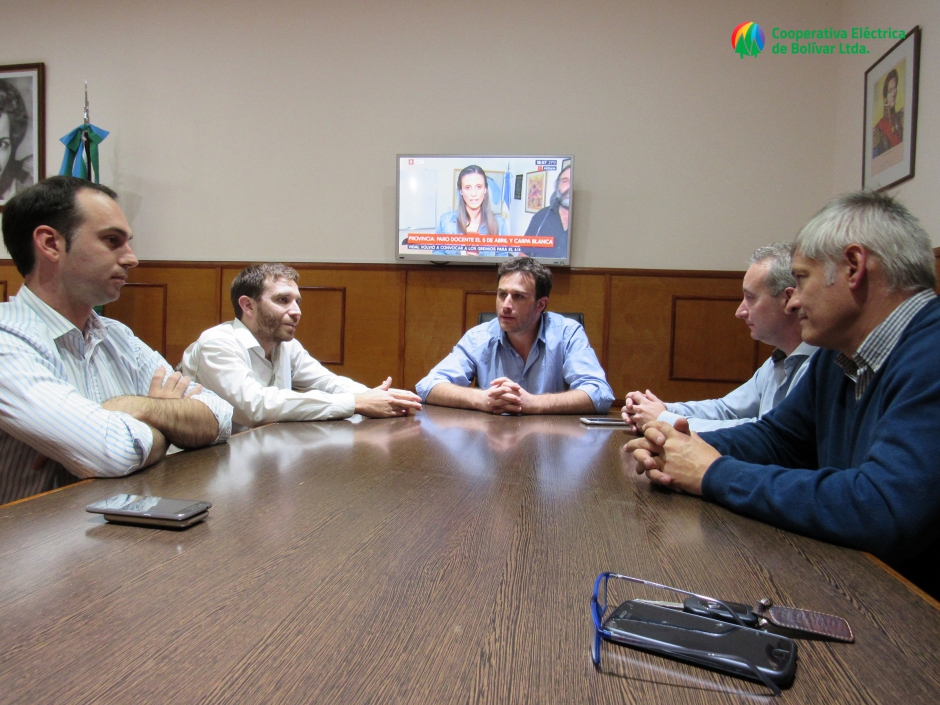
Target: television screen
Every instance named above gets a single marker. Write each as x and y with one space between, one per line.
472 208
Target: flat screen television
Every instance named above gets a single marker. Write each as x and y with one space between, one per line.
473 209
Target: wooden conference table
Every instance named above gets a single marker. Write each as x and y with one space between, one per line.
443 558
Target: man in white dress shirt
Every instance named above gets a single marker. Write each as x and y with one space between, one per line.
255 364
768 285
80 395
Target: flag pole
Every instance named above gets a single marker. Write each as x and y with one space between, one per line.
86 141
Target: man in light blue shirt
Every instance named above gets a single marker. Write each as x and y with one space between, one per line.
80 395
768 285
525 361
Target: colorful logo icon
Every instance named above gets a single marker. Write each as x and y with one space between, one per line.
747 39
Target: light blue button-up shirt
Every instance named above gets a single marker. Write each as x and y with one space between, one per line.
53 379
561 359
749 402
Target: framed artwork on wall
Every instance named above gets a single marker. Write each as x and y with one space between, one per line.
22 128
534 191
890 117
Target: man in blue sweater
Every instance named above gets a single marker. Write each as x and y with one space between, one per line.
852 456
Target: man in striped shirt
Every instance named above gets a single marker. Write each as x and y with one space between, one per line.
80 395
850 455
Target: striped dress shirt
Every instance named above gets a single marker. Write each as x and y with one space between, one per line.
53 380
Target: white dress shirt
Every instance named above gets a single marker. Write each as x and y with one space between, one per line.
292 386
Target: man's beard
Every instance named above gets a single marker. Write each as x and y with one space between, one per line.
563 200
269 327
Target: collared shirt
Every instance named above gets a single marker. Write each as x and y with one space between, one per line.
766 389
53 380
291 386
561 359
877 346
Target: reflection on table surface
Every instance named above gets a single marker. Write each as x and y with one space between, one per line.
447 557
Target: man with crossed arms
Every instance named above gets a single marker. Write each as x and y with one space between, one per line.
80 395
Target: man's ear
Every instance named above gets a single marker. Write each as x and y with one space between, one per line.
542 304
48 243
248 305
855 259
788 294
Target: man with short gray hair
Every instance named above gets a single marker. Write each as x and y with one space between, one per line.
851 455
768 285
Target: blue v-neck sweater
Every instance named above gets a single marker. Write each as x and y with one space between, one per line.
863 474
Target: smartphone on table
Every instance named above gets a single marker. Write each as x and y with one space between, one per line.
144 510
603 421
720 645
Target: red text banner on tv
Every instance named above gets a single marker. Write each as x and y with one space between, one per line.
485 240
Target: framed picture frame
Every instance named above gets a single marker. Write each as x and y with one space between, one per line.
22 128
890 117
534 191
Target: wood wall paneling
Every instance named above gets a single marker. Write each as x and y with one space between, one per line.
11 279
143 308
475 303
3 290
641 332
322 325
192 302
696 319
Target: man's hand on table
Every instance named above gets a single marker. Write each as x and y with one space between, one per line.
385 402
505 396
639 409
672 456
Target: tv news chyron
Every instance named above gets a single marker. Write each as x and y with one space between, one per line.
503 206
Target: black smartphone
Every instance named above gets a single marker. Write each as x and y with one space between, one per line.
719 645
144 510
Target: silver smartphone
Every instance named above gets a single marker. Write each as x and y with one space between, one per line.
605 421
144 510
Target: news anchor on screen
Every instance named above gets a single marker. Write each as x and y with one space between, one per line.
474 212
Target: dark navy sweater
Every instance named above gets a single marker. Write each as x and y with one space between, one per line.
864 474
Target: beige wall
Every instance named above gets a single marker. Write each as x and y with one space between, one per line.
267 131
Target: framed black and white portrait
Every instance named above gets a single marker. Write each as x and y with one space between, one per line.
22 128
